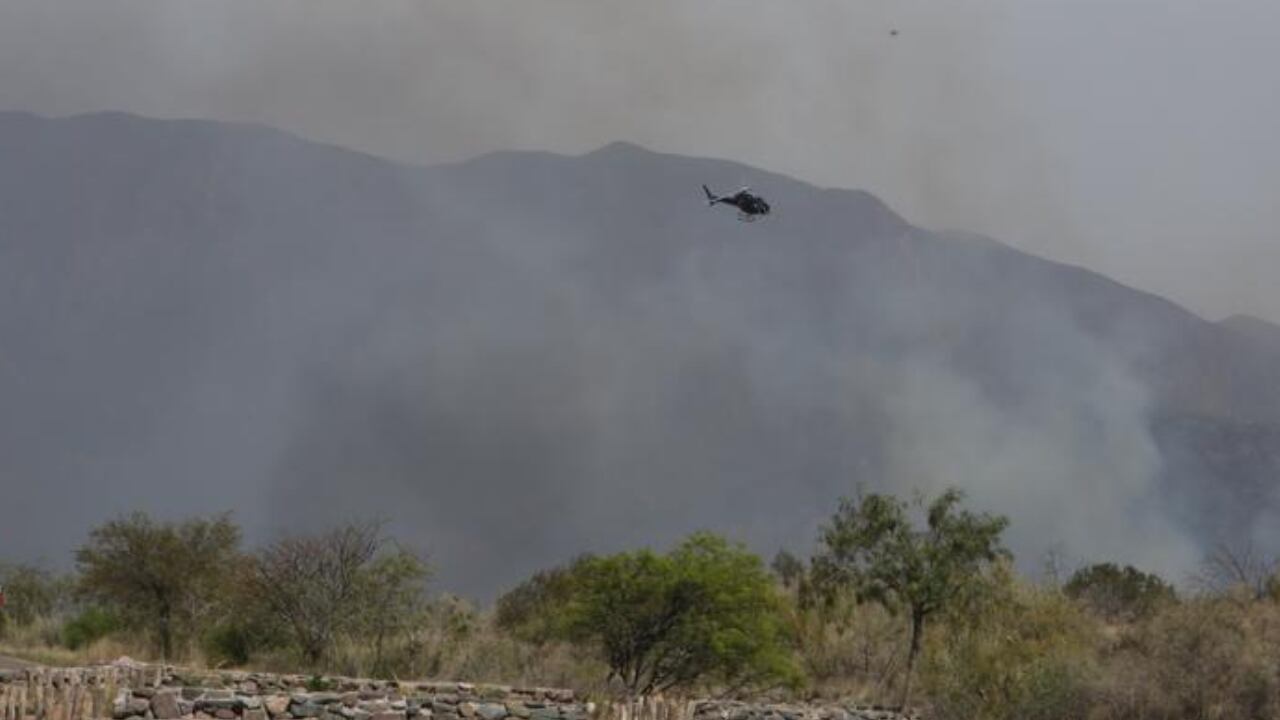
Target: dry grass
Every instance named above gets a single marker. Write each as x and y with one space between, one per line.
102 651
850 652
42 642
453 641
1022 652
1211 657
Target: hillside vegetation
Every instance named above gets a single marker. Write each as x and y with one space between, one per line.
900 597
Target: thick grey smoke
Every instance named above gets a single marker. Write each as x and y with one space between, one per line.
586 383
1073 463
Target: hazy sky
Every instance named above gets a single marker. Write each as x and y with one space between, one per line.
1136 137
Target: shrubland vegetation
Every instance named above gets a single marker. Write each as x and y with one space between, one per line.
901 602
873 550
706 613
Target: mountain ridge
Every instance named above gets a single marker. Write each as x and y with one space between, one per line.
200 315
616 147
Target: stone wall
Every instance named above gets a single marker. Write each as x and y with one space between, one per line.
125 691
67 693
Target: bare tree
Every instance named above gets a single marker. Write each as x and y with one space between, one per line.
1239 566
312 584
1056 567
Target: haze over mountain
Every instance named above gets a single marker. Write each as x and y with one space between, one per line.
526 356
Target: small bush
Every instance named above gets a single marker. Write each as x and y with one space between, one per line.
89 626
231 643
317 683
1119 594
243 628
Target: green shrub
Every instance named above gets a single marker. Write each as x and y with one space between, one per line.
317 683
707 612
230 643
161 577
533 610
1119 594
89 626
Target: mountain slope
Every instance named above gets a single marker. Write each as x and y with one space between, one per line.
528 355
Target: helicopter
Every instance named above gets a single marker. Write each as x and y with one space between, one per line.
750 207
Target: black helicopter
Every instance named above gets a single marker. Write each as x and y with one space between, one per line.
750 207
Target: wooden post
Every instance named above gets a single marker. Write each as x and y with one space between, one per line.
109 693
96 711
38 690
62 710
73 705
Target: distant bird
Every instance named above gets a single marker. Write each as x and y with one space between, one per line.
893 32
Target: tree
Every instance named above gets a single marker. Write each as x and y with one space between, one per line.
533 611
392 596
872 547
244 624
31 593
788 568
158 577
1118 593
706 610
313 584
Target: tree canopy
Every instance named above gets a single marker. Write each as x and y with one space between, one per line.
30 591
532 611
707 611
356 581
873 547
160 577
1118 593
